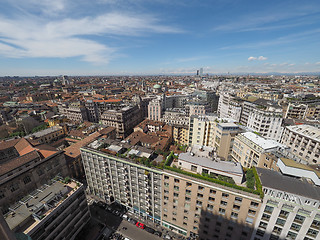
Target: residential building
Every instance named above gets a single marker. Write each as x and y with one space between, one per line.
304 141
250 149
155 108
96 107
290 208
124 119
57 210
25 167
74 111
183 203
209 130
267 121
48 135
229 107
296 110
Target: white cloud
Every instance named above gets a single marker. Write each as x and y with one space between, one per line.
260 58
317 63
252 58
21 38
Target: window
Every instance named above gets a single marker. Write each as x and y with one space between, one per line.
265 217
315 223
284 214
260 233
193 168
252 212
299 219
176 188
185 218
210 207
176 180
263 225
211 199
188 184
236 207
199 203
27 179
238 199
166 198
254 204
225 195
295 227
213 191
199 195
312 233
166 177
187 198
166 184
200 188
222 211
14 187
280 222
174 219
291 235
268 209
188 192
176 194
1 194
223 203
277 230
234 215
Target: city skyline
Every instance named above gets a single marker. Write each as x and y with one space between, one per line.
158 37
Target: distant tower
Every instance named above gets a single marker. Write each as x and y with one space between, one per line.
197 72
201 71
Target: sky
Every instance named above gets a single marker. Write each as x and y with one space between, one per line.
125 37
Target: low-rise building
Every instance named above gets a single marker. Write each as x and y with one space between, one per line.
48 135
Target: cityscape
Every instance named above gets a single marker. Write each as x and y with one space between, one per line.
146 120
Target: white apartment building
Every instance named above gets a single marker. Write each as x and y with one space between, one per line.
155 108
229 107
267 122
251 150
290 208
304 141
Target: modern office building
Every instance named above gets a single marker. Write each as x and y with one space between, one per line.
290 208
304 141
57 210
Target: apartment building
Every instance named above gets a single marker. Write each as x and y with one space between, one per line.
209 130
198 108
57 210
250 149
185 204
229 107
115 179
96 107
304 141
124 119
155 108
74 111
296 110
267 121
25 167
290 208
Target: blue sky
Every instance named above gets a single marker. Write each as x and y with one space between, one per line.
81 37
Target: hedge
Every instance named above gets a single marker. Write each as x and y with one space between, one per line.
169 159
213 180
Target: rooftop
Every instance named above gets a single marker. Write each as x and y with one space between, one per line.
265 144
33 208
44 132
307 131
277 180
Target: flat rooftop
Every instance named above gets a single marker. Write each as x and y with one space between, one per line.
261 142
44 132
307 131
30 210
224 166
277 180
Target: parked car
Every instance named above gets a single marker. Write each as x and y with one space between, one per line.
125 216
133 221
140 225
157 233
150 230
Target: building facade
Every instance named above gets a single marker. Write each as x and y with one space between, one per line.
304 141
290 208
